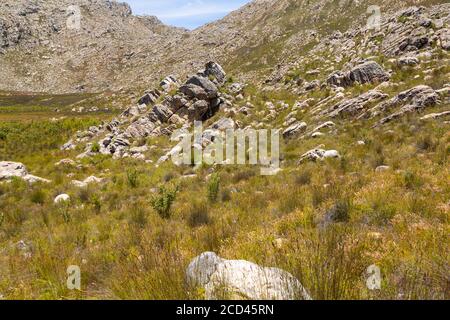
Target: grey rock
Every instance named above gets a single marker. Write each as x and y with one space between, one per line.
206 84
413 100
408 61
318 154
368 72
216 71
162 112
198 110
70 145
194 91
294 130
224 124
356 105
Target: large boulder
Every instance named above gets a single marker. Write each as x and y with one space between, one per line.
240 279
207 85
368 72
194 91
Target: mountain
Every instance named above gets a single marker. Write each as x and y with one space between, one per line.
116 50
41 52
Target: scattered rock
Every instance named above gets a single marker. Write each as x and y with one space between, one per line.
413 100
294 130
62 198
68 146
355 106
318 154
86 182
66 163
436 115
408 61
382 168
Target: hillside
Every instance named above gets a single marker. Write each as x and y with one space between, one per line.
354 204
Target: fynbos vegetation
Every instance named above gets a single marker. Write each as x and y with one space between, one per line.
358 207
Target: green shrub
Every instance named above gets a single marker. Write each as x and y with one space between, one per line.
213 187
96 203
133 178
95 148
2 218
162 203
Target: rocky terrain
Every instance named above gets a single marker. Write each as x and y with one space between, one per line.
112 48
363 113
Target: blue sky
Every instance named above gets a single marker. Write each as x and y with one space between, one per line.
186 13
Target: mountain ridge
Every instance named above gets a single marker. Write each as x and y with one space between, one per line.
122 51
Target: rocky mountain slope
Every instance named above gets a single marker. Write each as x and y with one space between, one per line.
114 50
43 50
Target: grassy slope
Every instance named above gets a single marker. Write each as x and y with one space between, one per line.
397 219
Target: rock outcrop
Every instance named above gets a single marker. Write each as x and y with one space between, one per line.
368 72
413 100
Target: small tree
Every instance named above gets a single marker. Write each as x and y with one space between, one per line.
162 203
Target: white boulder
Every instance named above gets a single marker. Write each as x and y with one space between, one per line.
240 279
62 198
331 154
8 170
